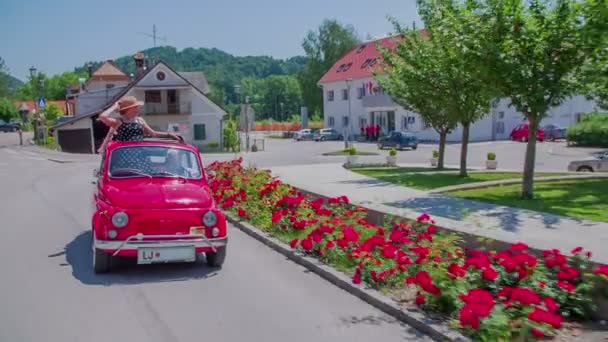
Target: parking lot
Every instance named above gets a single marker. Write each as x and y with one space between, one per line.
551 156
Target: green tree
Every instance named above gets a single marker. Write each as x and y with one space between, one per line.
465 98
4 80
8 110
52 113
230 136
323 48
595 73
535 52
275 97
53 88
415 78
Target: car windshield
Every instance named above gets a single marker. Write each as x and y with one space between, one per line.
153 161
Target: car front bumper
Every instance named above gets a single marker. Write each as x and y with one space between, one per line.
129 246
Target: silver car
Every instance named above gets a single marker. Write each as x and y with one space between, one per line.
598 162
554 132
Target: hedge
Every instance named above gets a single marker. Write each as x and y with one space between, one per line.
592 131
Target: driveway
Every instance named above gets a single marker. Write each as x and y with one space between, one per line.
49 292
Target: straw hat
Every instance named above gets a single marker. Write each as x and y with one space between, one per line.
128 102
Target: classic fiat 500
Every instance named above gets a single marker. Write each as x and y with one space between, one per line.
152 203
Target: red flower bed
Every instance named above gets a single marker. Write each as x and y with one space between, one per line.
494 295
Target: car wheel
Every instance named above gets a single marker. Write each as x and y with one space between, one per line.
322 138
216 259
584 169
380 146
414 147
102 261
398 147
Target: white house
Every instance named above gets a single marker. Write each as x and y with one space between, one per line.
173 101
352 99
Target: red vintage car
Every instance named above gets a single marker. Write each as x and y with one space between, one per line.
152 203
521 133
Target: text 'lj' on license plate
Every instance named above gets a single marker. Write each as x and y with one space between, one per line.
149 255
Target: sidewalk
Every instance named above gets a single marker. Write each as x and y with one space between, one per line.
539 230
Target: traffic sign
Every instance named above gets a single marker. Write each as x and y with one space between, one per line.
41 102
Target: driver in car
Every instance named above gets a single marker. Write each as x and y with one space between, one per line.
173 165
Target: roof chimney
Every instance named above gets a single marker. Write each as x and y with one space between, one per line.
90 69
139 59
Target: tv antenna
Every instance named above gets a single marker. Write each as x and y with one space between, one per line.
154 35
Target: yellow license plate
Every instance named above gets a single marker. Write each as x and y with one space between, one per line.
200 231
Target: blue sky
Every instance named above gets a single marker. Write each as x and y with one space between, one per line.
57 35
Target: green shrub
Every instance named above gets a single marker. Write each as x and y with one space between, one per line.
351 151
491 156
254 148
392 152
435 154
213 144
592 131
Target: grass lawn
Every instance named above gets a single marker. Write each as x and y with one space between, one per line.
420 178
582 198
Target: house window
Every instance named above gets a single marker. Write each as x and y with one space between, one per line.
330 95
404 122
109 86
153 96
500 127
200 133
345 94
331 121
363 122
501 115
424 124
345 121
366 63
360 92
579 117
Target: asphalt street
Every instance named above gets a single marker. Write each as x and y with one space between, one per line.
48 291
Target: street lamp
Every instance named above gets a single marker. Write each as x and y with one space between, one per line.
349 82
34 81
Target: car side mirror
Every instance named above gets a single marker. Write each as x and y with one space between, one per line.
211 173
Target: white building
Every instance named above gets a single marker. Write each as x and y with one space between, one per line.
175 102
352 98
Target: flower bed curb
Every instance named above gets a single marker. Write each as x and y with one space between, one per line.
415 318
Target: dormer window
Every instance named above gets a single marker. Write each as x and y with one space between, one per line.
366 63
361 48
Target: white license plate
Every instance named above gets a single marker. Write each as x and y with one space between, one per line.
151 255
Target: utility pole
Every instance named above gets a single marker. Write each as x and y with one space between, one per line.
154 35
247 123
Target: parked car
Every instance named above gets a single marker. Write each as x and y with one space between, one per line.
597 162
554 132
152 203
398 140
327 134
521 133
8 126
303 134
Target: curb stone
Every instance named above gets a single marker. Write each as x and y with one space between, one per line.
436 330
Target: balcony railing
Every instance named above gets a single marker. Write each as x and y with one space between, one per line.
168 108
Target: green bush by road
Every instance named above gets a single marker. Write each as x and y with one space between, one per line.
592 131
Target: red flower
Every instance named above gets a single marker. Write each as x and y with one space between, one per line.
330 244
294 243
423 217
588 254
550 304
521 274
480 301
519 246
543 316
525 296
468 318
602 270
350 234
477 262
420 299
489 274
342 243
426 283
537 332
410 281
242 212
316 236
542 284
566 286
456 271
357 276
431 230
307 244
576 250
396 235
567 273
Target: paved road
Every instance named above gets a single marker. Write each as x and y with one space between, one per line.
551 156
49 293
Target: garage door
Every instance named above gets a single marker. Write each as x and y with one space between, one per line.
75 140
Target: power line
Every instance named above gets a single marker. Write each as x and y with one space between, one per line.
154 35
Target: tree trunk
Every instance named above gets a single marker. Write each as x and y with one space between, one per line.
527 190
464 148
442 137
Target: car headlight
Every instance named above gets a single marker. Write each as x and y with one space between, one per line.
120 219
210 219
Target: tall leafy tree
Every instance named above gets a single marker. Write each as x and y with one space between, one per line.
465 97
4 79
275 97
8 110
535 52
323 48
414 77
53 88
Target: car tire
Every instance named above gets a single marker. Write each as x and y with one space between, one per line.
102 261
380 146
398 147
322 138
584 169
414 147
216 259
